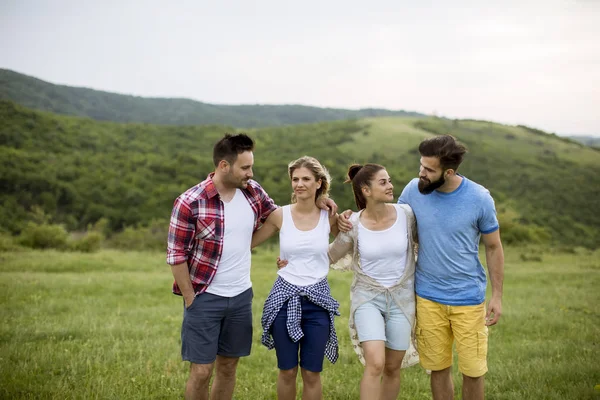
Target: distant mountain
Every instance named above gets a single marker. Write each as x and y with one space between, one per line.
104 106
592 141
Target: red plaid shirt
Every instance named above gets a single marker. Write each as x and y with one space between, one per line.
197 227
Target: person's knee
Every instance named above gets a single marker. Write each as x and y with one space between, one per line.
442 373
311 378
375 366
473 379
226 366
288 375
392 369
200 374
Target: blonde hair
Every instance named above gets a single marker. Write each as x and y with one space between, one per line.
318 171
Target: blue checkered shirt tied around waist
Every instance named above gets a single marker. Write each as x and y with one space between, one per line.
319 294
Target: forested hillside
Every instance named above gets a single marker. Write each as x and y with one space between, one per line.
104 106
78 170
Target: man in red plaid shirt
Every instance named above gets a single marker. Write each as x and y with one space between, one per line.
209 252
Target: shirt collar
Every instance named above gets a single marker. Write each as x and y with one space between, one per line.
209 187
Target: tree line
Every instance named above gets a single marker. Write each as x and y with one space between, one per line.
76 172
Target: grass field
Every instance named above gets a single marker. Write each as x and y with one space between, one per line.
105 326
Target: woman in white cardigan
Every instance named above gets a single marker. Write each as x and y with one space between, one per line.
380 251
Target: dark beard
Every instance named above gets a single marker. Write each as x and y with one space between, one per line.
428 188
232 181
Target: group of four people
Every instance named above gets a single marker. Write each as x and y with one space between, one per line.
441 215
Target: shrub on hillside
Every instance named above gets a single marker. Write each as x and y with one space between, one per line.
531 256
8 243
524 234
90 242
101 226
514 232
151 237
43 236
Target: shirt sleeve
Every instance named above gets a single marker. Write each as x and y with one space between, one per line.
404 197
341 246
267 205
181 233
488 221
412 223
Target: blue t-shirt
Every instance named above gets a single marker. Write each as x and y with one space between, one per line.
449 225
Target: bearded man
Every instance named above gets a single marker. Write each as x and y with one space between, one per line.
453 213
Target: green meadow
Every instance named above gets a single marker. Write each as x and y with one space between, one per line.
106 326
82 170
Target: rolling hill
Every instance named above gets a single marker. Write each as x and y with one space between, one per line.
592 141
77 170
104 106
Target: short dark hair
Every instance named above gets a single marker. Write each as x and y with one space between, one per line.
230 146
446 148
361 176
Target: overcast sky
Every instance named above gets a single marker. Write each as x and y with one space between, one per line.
517 62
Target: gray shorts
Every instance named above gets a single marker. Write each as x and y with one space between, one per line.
216 325
381 319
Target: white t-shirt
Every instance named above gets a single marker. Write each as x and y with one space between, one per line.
305 251
233 272
383 253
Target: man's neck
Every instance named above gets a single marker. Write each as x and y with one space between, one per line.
451 184
226 192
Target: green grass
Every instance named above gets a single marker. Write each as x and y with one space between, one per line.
391 137
105 326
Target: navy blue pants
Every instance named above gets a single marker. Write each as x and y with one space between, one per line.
311 348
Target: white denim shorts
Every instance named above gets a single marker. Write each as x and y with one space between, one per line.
381 319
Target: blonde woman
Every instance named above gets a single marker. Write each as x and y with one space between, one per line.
299 311
382 316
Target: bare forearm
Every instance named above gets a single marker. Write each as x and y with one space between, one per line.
268 228
181 274
262 234
333 225
495 262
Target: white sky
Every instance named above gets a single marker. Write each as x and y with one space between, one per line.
517 62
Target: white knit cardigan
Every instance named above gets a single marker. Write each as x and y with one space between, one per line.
344 255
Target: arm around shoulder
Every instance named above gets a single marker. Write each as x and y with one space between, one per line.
333 224
341 246
267 205
268 228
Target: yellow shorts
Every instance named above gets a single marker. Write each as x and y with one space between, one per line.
437 327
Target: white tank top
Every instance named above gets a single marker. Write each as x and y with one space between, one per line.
233 272
305 251
383 253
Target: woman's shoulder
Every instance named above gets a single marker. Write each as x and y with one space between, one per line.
406 208
408 212
355 216
276 217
